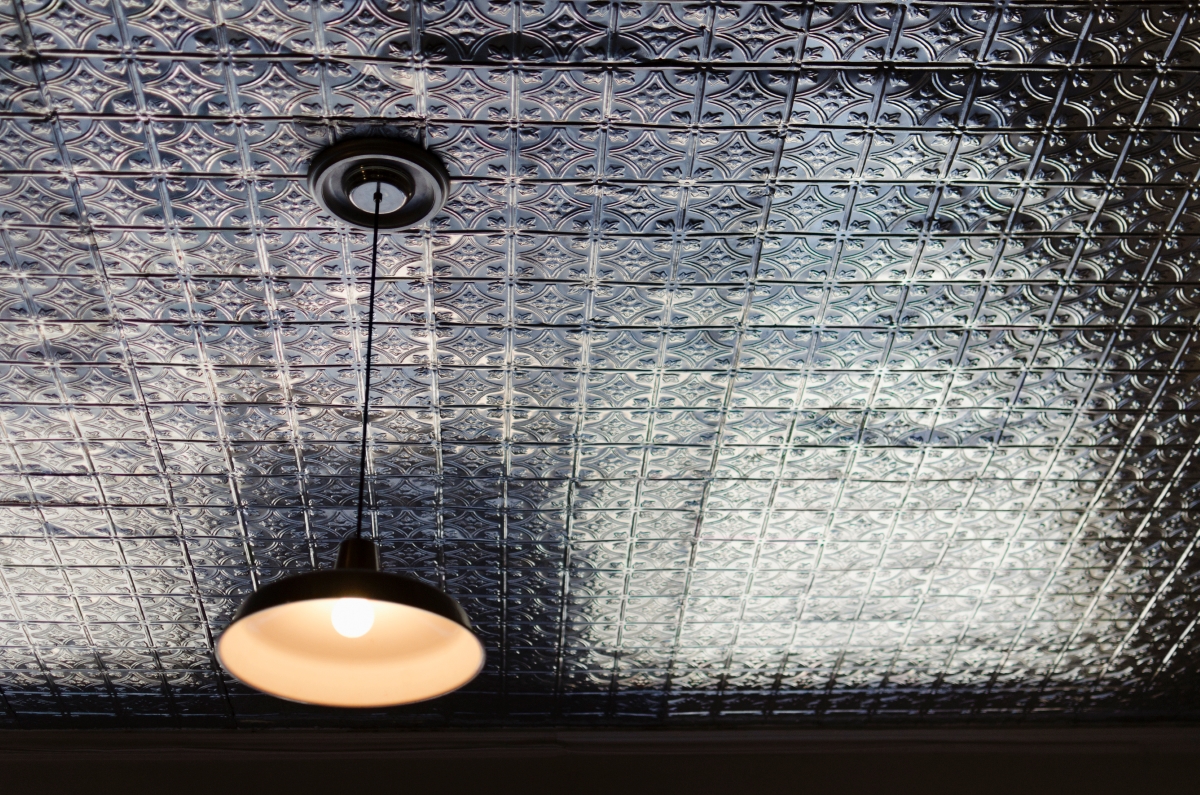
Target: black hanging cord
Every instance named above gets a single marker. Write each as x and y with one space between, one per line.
362 455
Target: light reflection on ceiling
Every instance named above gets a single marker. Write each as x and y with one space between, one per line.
770 362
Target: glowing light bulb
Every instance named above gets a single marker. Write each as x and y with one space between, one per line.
353 618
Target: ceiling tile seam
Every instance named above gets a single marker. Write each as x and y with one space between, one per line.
647 447
647 236
579 282
431 331
603 199
969 97
1172 650
319 57
80 439
853 196
149 132
5 587
511 232
132 369
1151 513
171 228
582 374
68 404
708 27
1171 482
788 106
18 613
1019 200
1151 260
647 65
399 408
78 444
1176 645
843 480
501 655
250 182
95 475
1008 412
433 327
1185 18
207 177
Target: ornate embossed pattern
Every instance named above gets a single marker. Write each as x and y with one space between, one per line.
786 362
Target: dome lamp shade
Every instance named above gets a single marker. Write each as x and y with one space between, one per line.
352 636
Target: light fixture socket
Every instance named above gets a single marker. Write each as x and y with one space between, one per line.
394 186
358 553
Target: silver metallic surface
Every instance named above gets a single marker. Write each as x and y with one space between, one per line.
769 362
392 197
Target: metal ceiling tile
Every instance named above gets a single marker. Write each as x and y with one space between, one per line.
769 362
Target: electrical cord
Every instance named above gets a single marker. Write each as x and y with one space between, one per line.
366 410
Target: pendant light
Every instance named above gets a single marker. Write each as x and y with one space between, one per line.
355 636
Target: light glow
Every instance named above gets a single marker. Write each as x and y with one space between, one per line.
292 651
353 618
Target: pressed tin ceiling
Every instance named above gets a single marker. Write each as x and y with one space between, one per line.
770 362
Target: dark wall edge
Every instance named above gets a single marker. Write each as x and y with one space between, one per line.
183 745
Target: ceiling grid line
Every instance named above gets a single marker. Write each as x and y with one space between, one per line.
170 228
274 320
1165 379
708 14
969 94
67 403
508 328
854 196
750 289
79 443
582 374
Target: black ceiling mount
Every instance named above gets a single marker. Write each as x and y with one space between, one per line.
413 182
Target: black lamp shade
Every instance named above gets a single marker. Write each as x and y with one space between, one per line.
286 641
